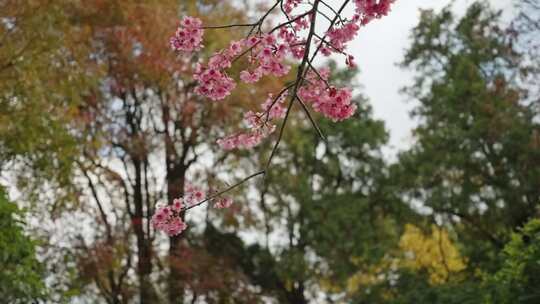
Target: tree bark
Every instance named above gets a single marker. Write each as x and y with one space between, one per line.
144 253
175 186
176 171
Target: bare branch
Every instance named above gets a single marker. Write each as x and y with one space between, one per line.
298 82
311 119
211 197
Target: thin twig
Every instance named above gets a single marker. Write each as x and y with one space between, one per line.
267 111
330 45
311 119
319 75
276 145
297 83
333 11
215 27
211 197
329 28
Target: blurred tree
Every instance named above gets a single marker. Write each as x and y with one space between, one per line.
44 68
524 31
477 141
471 169
22 276
142 121
119 113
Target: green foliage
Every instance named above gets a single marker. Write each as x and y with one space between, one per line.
21 275
518 279
44 68
476 141
472 164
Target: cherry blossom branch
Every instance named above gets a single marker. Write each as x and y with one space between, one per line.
324 15
318 75
330 44
329 27
276 145
254 24
290 21
267 112
214 27
311 119
333 11
218 194
297 83
269 54
277 27
261 20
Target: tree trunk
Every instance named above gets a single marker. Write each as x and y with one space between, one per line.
175 184
176 171
144 253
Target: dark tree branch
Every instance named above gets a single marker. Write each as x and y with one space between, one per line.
298 81
211 197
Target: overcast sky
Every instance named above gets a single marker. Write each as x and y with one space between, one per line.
379 47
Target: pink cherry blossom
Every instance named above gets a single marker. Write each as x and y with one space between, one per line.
224 202
259 125
213 83
349 61
178 204
339 36
193 195
250 77
334 103
168 220
188 36
370 9
248 139
290 5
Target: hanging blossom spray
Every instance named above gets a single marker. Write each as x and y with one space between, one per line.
269 53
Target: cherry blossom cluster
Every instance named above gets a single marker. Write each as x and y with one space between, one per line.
259 125
266 58
188 36
223 202
333 103
267 52
370 9
168 218
338 37
213 81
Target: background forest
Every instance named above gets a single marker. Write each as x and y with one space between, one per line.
98 124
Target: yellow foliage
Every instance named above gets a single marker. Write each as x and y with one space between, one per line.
369 275
328 286
434 253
